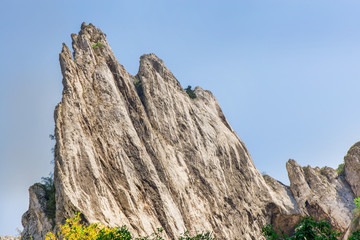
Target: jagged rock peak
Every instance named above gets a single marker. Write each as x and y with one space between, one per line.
147 155
138 151
35 221
321 193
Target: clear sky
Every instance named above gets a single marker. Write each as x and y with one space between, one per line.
286 74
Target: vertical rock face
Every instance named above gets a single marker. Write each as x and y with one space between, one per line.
138 151
322 193
36 223
352 168
149 156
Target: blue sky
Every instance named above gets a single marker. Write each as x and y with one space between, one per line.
286 74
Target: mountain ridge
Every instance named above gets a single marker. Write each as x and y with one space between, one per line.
149 156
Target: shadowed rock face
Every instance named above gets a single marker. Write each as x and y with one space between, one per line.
36 223
146 155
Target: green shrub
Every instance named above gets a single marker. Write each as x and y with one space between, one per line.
270 234
355 235
307 229
139 89
97 44
357 203
201 236
340 169
47 183
190 92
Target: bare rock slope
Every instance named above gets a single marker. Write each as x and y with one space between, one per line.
148 157
137 150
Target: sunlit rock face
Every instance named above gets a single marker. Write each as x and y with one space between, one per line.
322 193
352 168
138 151
149 156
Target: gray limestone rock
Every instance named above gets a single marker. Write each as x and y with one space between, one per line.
138 151
36 223
321 193
352 168
149 156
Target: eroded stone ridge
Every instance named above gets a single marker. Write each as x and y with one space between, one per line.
149 157
138 151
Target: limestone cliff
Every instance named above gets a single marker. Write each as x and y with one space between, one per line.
137 150
149 156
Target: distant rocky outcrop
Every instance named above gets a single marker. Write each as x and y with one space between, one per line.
9 238
138 151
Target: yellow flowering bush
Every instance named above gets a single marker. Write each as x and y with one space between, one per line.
75 230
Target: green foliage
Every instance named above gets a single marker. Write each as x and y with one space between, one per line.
270 233
307 229
47 183
73 229
357 203
154 236
97 44
138 86
340 169
190 92
201 236
311 229
139 89
355 235
52 136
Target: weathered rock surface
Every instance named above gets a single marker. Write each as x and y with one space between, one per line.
150 157
352 168
35 222
9 238
322 193
147 156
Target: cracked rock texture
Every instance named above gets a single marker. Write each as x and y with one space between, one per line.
36 223
321 193
146 155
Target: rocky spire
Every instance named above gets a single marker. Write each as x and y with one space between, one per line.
138 151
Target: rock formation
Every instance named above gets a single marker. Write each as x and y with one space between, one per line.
138 151
9 238
36 223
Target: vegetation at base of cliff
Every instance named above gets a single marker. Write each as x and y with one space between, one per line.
356 212
340 169
355 221
355 235
308 228
190 92
47 183
75 230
